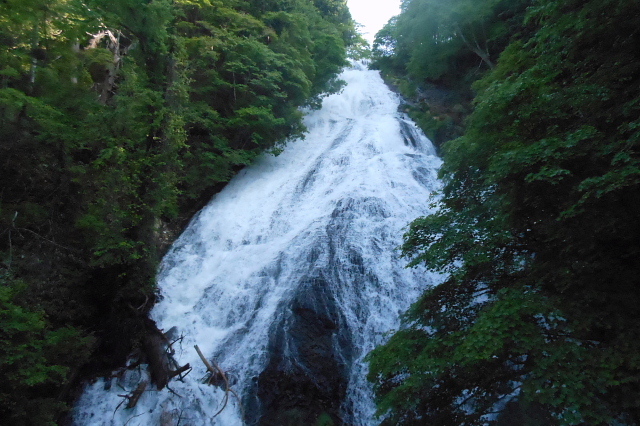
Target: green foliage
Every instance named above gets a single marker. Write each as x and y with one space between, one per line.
359 49
118 119
33 359
433 51
537 235
445 40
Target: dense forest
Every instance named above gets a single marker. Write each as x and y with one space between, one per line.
537 234
118 120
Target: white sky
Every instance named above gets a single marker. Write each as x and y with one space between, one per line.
373 14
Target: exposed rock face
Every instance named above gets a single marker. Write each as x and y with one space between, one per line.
306 379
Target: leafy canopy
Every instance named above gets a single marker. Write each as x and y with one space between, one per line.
118 120
537 233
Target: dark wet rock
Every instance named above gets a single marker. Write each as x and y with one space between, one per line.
305 381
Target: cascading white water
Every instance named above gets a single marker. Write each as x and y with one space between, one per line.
315 229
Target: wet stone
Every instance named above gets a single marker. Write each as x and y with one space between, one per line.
305 380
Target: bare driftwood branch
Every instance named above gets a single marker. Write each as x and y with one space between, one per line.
173 392
205 361
214 373
136 394
133 397
180 370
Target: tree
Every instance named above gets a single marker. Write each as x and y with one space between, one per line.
118 120
438 38
534 234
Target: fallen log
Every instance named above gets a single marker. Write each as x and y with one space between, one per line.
157 350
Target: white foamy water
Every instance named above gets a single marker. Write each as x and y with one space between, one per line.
331 208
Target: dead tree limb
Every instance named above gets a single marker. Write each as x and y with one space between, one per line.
205 360
214 373
179 371
134 396
173 392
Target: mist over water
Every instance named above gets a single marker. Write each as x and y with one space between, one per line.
304 238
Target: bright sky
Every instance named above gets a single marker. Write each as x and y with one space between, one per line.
373 14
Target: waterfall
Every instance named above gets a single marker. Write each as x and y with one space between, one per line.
291 275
